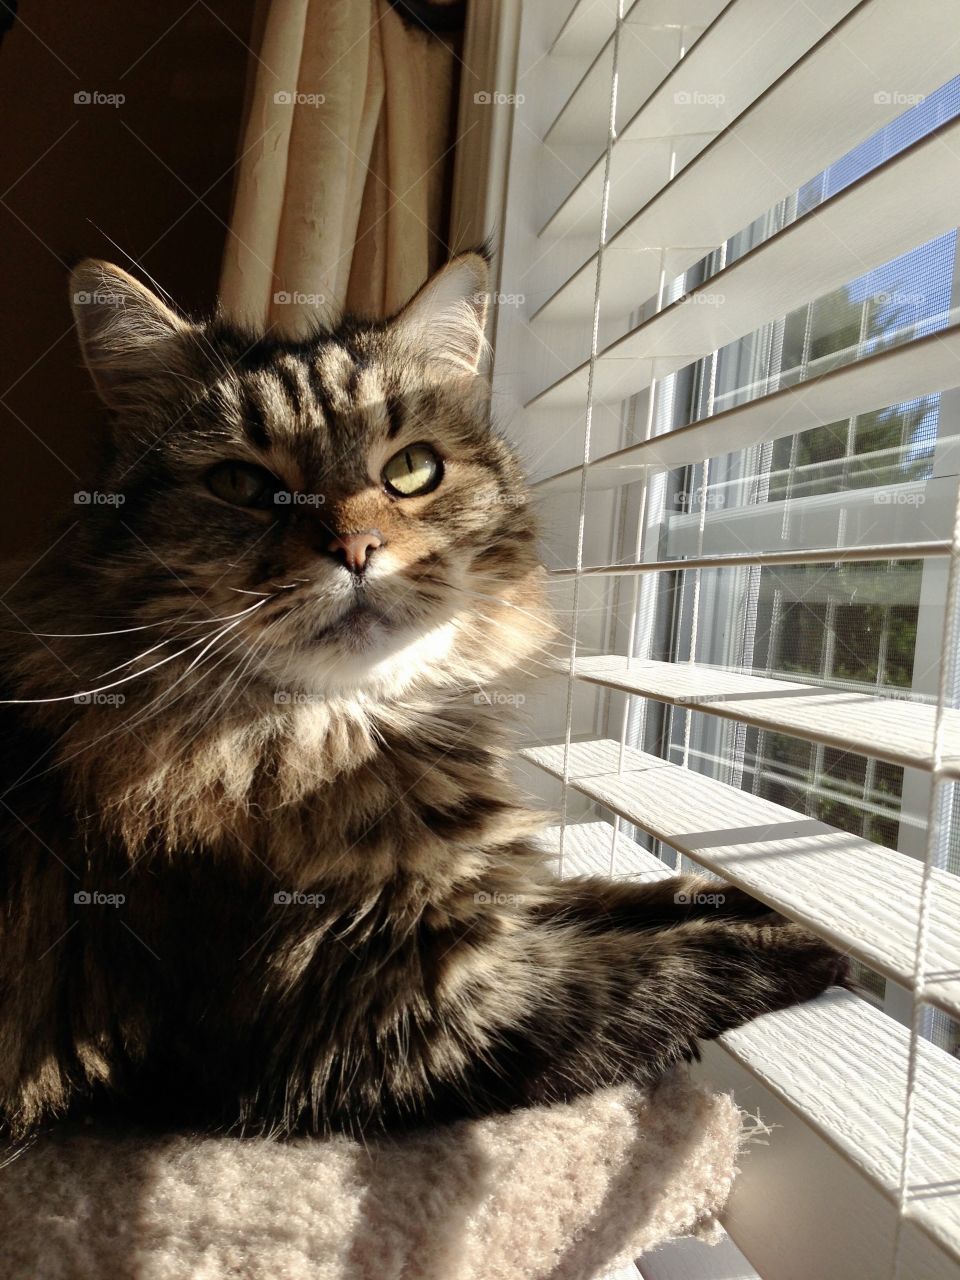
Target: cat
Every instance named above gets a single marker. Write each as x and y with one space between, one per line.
264 868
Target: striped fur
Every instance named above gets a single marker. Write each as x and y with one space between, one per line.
315 899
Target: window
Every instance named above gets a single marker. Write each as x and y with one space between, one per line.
728 348
848 625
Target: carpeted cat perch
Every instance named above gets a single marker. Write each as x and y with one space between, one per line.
567 1192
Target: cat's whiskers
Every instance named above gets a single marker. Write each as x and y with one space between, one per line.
212 641
141 716
130 661
162 702
167 640
277 586
146 626
205 711
231 683
136 675
146 714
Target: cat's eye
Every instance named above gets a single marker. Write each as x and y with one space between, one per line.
413 471
242 484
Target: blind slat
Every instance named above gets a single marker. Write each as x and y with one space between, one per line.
767 559
867 224
590 22
858 895
650 39
839 1064
587 852
842 1065
801 1208
893 376
892 729
584 29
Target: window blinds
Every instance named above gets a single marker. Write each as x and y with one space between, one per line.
656 215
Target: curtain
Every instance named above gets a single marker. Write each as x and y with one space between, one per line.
344 170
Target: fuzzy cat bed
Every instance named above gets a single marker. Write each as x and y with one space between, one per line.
566 1192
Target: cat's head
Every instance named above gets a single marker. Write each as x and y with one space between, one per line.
347 490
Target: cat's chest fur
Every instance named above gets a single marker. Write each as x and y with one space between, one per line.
318 794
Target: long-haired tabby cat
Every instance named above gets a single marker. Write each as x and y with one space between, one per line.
262 863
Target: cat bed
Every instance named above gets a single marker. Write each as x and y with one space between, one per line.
566 1192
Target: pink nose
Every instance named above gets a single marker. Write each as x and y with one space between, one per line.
354 548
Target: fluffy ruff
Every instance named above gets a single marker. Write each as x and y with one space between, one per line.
565 1192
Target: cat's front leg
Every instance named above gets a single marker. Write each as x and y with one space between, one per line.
503 999
655 904
623 1005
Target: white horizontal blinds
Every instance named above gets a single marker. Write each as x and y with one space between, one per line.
914 1176
646 49
731 228
695 98
826 88
602 233
863 896
868 1122
893 375
896 729
808 258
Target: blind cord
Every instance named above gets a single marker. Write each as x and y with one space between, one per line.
588 423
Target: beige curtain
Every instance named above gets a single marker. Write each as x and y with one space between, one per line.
342 182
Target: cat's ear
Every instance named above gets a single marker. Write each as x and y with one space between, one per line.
445 320
134 346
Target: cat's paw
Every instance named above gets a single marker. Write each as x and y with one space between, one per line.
800 964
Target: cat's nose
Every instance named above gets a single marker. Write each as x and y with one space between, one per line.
354 549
